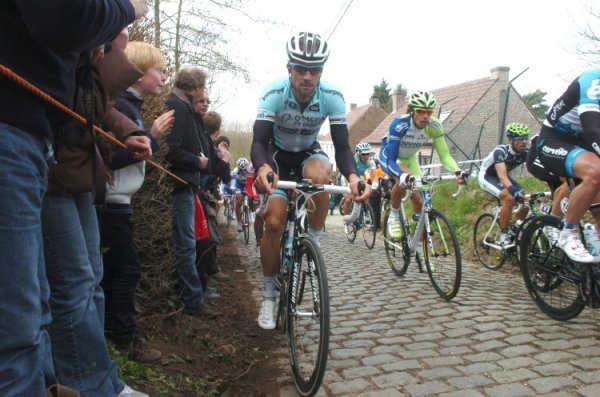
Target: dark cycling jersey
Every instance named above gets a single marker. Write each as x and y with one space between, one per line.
572 125
576 113
502 154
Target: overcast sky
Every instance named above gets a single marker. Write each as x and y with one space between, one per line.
423 45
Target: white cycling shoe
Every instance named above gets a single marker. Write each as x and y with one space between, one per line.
570 243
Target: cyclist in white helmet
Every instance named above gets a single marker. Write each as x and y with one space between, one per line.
237 186
290 113
407 134
365 166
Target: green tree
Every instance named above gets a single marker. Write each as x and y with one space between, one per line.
536 102
382 91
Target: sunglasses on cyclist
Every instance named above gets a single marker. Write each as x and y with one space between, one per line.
302 69
424 112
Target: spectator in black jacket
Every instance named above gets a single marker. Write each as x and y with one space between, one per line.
189 154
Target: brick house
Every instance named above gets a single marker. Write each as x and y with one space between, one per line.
473 114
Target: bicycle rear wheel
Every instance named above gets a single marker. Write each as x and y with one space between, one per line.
396 252
486 240
551 279
307 312
442 256
368 228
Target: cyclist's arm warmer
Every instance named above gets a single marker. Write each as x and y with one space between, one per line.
259 152
343 154
590 122
439 142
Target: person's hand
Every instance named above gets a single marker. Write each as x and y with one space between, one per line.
356 194
162 124
203 161
261 181
139 146
461 177
223 153
140 7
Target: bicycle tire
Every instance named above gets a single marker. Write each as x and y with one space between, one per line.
368 225
246 223
490 257
306 318
547 272
397 253
228 212
442 257
341 206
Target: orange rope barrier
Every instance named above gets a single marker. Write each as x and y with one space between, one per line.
41 94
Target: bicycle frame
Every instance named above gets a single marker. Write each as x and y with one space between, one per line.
423 224
530 202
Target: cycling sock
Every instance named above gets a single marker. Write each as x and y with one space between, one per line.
394 213
269 287
315 234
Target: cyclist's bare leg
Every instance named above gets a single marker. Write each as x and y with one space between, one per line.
275 218
587 168
417 202
559 194
318 170
258 228
347 202
508 202
239 198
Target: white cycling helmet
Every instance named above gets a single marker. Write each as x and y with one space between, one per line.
242 163
363 147
307 50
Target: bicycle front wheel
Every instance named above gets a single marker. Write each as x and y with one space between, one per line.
368 228
486 240
307 312
350 228
551 279
396 252
246 223
228 212
442 256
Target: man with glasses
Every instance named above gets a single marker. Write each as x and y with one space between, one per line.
290 114
406 135
365 166
202 101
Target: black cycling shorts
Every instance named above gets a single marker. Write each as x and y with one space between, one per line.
557 153
537 169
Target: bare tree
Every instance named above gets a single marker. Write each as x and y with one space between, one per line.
589 48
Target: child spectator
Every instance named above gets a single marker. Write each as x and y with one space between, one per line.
122 266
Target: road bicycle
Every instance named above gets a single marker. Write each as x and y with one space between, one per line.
559 286
364 219
441 252
486 234
303 308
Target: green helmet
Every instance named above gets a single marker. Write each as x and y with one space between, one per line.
517 131
422 100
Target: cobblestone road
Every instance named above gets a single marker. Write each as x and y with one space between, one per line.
393 336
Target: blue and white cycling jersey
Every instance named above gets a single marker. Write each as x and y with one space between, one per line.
583 95
294 130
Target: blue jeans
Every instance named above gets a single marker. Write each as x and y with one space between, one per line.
25 357
184 240
74 267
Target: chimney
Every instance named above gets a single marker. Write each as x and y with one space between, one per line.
501 73
375 101
352 106
398 100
